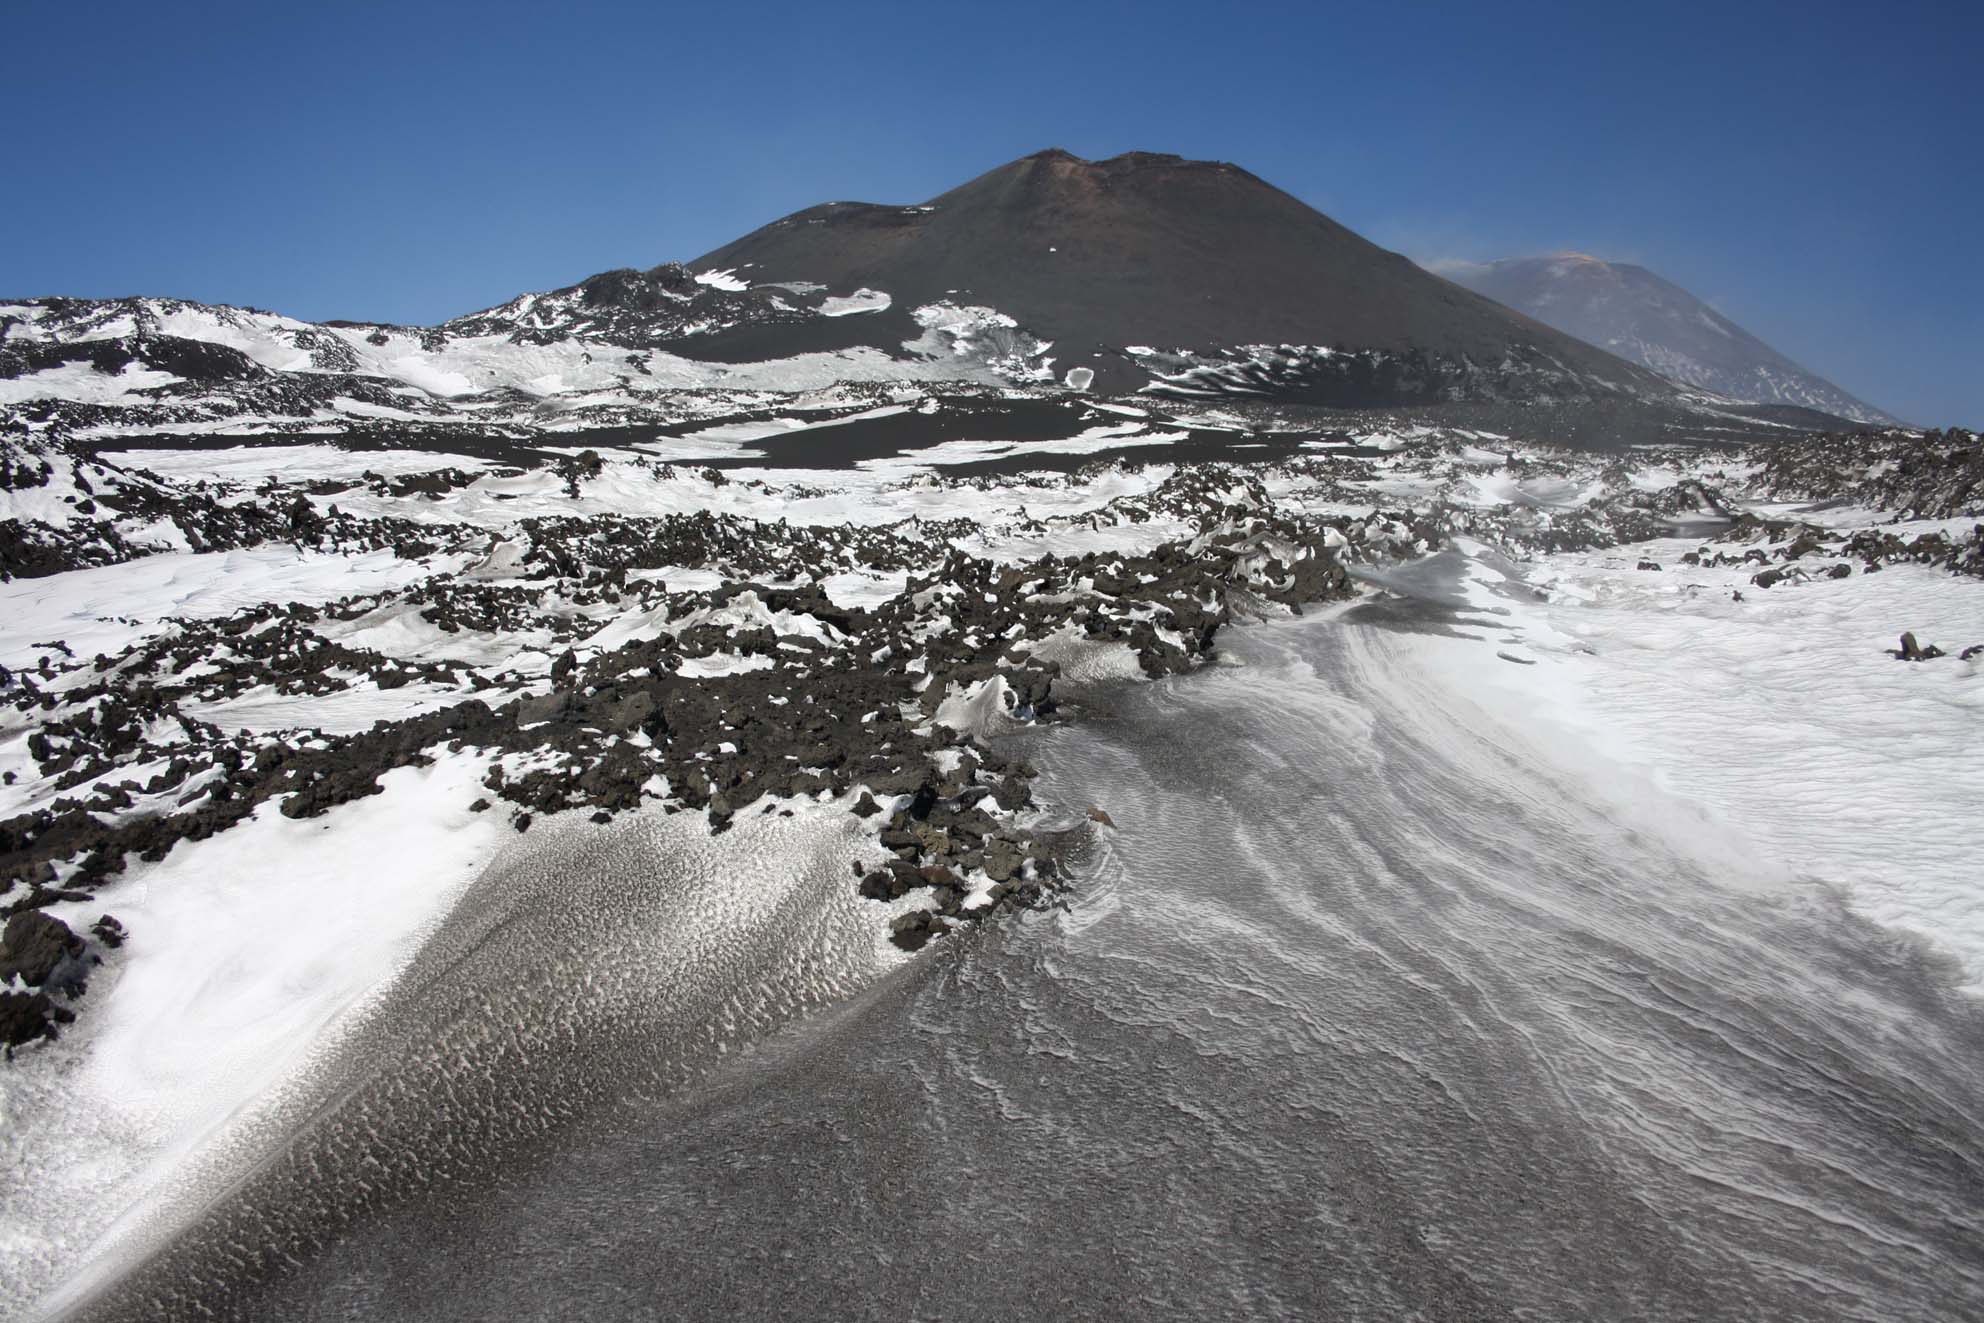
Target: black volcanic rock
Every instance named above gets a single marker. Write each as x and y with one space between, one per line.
635 290
1631 312
27 1016
194 360
1152 250
35 946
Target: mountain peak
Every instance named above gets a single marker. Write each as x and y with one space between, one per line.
1152 249
1121 161
1060 164
1646 319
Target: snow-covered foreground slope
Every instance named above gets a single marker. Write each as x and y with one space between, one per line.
259 952
247 769
1783 720
656 940
1356 957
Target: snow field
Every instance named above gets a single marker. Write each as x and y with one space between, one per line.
1783 721
252 953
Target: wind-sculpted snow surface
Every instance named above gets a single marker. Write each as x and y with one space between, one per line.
597 668
723 744
581 968
1364 1008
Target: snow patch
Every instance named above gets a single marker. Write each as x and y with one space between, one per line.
862 300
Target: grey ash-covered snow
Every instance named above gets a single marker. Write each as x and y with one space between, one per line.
602 659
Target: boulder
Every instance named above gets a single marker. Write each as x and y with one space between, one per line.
1002 860
35 947
938 875
911 931
883 884
26 1016
552 706
631 712
1912 651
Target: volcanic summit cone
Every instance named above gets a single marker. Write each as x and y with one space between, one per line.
1153 250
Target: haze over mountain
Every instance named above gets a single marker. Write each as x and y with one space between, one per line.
1631 312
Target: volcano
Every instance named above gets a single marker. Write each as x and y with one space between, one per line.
1651 321
1141 274
1234 283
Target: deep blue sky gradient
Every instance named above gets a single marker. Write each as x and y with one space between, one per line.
1814 170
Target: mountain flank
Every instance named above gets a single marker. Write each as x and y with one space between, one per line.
1629 311
1154 250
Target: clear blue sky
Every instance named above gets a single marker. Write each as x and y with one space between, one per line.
1814 170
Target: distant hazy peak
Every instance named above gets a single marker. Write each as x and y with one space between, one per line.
1640 316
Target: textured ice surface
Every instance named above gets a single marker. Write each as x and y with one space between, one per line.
1773 742
862 300
1365 1010
302 463
584 964
251 953
1783 717
346 712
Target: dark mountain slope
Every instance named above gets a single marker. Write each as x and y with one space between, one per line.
1152 250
